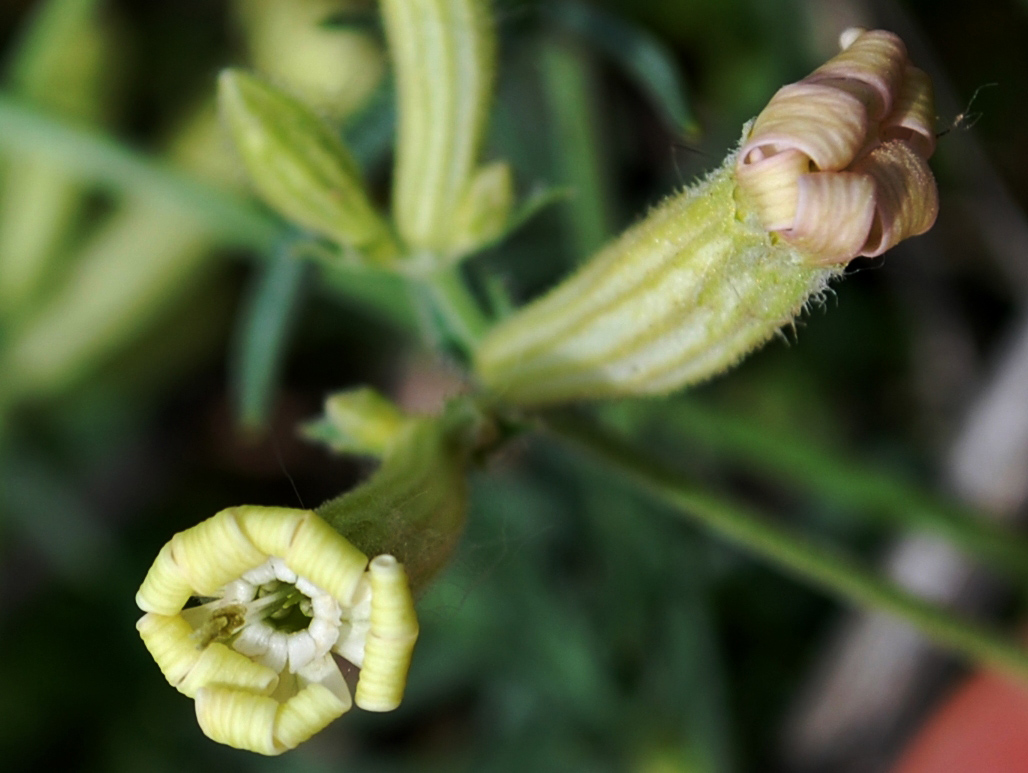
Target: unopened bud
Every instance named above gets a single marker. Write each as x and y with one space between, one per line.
444 54
833 168
358 421
836 164
300 167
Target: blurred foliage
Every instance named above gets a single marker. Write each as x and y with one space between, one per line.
579 629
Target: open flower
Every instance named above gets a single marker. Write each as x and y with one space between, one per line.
246 611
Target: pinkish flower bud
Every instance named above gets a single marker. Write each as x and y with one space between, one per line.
836 164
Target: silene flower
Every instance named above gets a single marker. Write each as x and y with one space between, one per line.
263 615
248 611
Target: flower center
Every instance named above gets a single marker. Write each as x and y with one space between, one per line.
283 606
273 616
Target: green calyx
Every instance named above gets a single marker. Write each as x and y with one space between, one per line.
300 167
444 55
414 506
678 298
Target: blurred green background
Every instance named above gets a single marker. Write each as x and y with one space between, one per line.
580 628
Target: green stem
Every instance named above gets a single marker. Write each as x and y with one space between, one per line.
854 486
103 160
459 308
568 86
828 569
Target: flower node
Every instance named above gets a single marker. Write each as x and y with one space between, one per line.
836 164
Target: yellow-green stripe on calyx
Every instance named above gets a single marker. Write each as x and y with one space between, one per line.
835 167
444 55
299 166
246 611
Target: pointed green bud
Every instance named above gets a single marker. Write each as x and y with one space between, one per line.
484 212
835 167
444 54
358 421
300 167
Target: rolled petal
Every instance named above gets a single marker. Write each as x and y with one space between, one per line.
772 186
219 665
825 123
168 640
270 528
215 552
906 196
165 589
390 641
876 58
328 560
913 117
240 719
308 712
833 216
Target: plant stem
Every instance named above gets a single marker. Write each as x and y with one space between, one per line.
789 458
458 307
103 160
826 568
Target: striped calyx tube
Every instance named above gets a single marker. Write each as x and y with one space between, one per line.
832 169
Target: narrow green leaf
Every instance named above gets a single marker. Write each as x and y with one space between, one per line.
263 336
100 159
577 144
638 53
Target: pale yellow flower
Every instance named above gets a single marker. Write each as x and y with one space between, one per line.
247 611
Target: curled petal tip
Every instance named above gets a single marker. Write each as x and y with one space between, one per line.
865 117
849 35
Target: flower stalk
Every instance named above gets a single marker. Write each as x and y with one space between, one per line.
833 572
